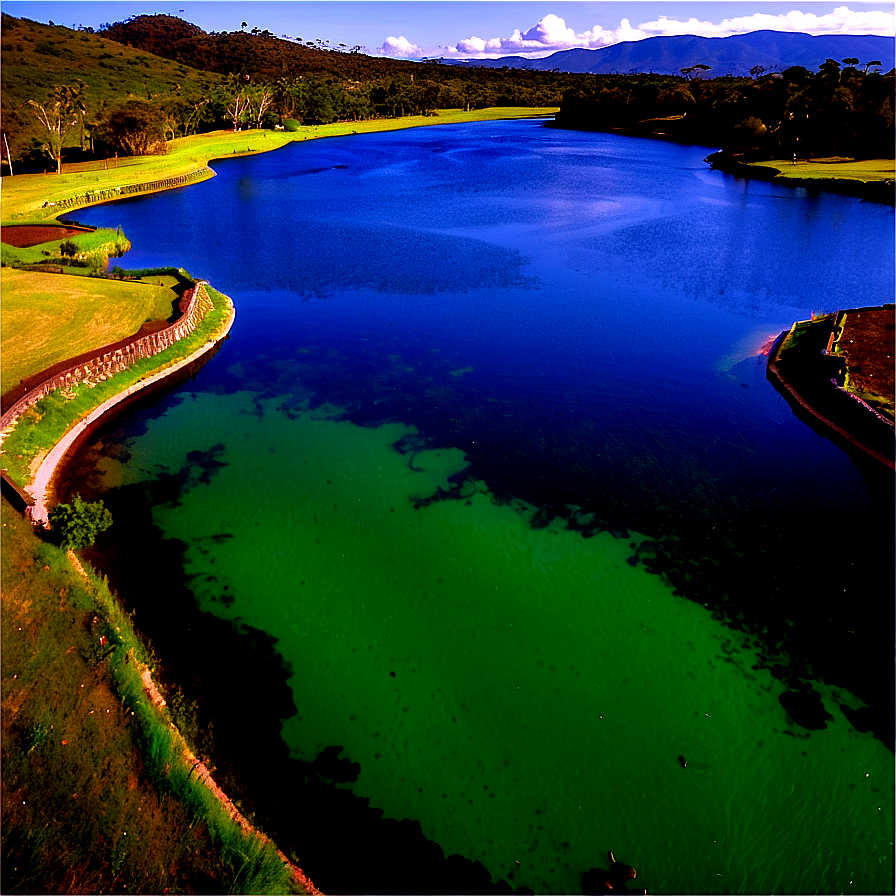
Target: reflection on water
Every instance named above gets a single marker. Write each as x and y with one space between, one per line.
470 365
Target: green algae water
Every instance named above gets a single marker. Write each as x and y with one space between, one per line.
490 485
525 693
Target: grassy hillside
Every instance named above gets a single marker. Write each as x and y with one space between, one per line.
311 84
37 57
95 799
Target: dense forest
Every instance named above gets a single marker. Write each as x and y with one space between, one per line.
131 86
839 110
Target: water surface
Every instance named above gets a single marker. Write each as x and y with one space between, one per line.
459 351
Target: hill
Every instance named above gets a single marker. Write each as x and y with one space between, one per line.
181 80
153 78
260 55
736 55
38 57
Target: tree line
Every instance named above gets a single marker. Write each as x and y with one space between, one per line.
255 80
842 109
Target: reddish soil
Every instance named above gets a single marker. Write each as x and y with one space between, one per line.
23 236
867 342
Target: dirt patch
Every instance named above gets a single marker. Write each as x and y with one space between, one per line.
867 344
23 236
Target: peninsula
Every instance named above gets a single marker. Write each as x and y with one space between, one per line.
837 372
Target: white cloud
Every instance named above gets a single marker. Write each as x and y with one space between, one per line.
841 20
551 33
547 36
400 47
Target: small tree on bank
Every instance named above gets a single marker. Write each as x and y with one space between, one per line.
77 524
135 128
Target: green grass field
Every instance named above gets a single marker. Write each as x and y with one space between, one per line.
44 423
867 170
47 318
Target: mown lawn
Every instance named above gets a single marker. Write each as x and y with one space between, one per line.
819 169
47 318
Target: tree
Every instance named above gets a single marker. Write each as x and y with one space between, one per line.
260 100
135 128
238 107
63 111
700 68
79 523
749 133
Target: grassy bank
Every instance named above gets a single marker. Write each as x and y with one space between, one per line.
92 251
24 196
96 797
865 171
45 422
48 318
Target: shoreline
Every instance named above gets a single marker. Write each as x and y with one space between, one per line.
41 486
45 474
790 387
27 198
873 190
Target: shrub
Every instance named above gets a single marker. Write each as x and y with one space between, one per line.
78 523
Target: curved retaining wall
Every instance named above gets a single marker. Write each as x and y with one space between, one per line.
848 419
105 362
38 491
93 197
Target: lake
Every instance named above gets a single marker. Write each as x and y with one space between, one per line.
488 489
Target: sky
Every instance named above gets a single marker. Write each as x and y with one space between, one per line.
470 29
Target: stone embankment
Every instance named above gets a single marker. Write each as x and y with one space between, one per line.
95 197
100 364
810 376
42 476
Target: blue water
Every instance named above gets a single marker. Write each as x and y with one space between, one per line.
568 327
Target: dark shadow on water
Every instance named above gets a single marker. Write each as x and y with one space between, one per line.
240 684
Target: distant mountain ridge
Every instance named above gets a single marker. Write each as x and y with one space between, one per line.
734 55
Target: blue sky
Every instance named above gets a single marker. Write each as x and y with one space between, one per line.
471 29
